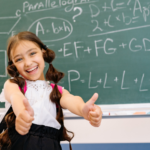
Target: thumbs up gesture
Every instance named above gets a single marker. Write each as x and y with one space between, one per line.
24 119
92 112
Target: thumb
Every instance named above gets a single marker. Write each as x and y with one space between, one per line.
93 99
28 107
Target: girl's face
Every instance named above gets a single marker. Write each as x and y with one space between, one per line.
28 59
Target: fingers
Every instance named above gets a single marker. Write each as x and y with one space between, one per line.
95 121
23 122
95 117
24 119
25 116
22 128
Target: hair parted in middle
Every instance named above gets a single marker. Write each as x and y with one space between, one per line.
51 75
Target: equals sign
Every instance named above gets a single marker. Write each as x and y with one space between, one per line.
60 50
82 81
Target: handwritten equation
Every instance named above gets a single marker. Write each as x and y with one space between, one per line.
92 83
105 46
56 30
122 14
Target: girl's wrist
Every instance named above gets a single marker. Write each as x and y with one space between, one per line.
82 111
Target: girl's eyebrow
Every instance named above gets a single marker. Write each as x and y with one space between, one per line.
26 52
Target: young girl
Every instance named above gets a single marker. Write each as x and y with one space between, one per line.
36 119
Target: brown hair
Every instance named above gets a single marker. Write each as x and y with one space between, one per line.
51 75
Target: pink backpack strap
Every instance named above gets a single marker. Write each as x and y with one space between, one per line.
25 87
59 87
60 90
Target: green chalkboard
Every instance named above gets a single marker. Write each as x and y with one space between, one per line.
101 45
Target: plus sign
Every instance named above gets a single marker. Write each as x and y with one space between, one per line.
123 45
88 50
136 80
108 22
116 79
100 81
105 7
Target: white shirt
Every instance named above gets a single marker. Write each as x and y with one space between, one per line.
38 96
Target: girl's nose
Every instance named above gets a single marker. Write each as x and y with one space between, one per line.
28 62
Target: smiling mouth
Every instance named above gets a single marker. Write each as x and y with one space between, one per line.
32 70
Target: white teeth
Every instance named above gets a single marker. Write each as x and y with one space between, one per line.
32 69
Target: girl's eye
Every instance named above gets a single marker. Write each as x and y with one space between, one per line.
33 53
18 59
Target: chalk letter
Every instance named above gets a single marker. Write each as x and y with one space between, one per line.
141 90
145 13
31 7
96 48
70 80
125 18
66 49
105 82
137 46
55 30
110 49
66 27
39 28
76 47
41 5
144 43
137 8
25 5
123 81
90 82
94 13
18 13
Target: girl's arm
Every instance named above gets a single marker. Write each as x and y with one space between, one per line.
14 96
76 105
23 111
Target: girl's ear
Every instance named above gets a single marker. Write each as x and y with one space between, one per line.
43 51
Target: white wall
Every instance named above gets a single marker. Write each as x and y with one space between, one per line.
112 130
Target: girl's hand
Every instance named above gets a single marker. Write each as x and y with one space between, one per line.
24 119
92 112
